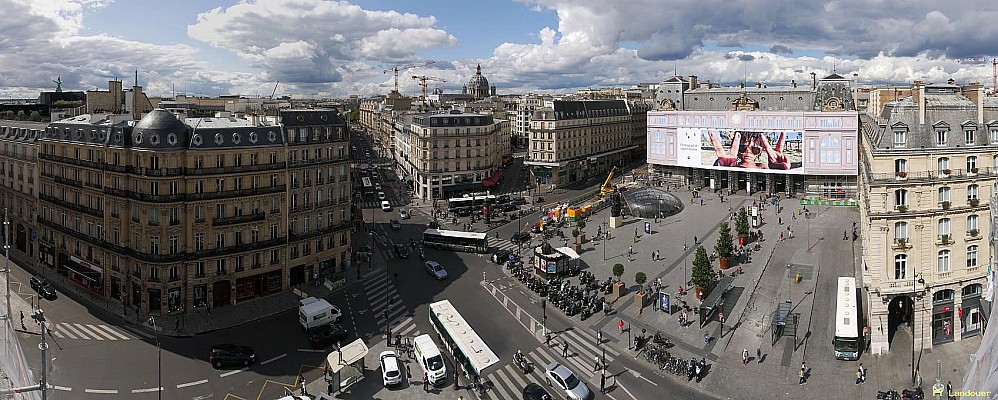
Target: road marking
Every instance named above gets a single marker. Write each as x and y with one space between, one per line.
147 390
233 372
312 350
63 388
273 359
101 391
101 328
625 390
188 384
643 377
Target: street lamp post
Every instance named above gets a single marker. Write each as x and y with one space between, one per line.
914 377
159 351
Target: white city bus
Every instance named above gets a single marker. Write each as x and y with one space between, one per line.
847 341
473 242
468 349
368 187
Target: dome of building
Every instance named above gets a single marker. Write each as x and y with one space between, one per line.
159 128
478 86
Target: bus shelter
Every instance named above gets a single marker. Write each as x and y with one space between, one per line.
780 318
346 364
712 304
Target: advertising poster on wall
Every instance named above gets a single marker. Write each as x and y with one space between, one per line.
729 149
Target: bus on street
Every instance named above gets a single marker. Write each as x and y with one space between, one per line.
467 205
473 242
469 351
368 186
847 341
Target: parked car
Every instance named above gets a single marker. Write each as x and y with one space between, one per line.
404 214
231 354
520 237
534 391
401 250
391 373
385 205
565 380
43 287
435 270
519 201
501 256
377 186
395 225
381 195
324 335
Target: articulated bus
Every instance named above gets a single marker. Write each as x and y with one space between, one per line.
847 341
473 242
470 352
368 187
469 204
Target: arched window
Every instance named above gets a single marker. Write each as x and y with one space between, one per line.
900 266
971 290
942 261
943 296
972 256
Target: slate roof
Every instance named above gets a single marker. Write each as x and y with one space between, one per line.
951 112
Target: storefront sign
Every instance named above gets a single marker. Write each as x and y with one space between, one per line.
86 264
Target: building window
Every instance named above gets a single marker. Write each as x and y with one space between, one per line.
943 228
943 296
940 137
199 269
900 165
943 194
220 266
900 231
942 164
972 192
971 164
969 136
971 223
174 244
154 245
900 198
900 138
994 136
199 241
942 261
900 266
972 256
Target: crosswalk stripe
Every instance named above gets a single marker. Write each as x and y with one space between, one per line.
71 329
591 344
501 381
95 333
60 335
114 332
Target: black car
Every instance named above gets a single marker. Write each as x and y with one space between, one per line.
324 335
401 250
520 237
519 201
501 256
43 288
534 391
231 354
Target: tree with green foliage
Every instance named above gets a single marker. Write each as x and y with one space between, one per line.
724 245
640 278
618 270
741 222
701 276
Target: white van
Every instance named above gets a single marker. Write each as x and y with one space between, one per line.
428 356
314 312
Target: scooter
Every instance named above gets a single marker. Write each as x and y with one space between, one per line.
662 340
522 363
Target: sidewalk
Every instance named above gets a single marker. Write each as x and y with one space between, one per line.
201 320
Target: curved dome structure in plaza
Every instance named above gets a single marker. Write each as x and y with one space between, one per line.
648 202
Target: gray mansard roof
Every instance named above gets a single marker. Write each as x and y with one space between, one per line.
950 112
783 98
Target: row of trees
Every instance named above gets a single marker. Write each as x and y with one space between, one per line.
22 115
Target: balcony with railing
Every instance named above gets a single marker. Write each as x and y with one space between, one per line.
929 176
72 206
238 219
900 286
236 169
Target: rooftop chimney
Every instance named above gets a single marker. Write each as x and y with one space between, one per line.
814 81
793 83
918 94
693 81
758 85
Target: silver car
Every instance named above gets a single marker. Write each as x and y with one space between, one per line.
435 270
561 377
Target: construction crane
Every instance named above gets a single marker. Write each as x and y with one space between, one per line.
422 83
398 68
607 188
272 94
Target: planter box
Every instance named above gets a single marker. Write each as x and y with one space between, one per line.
724 263
639 300
618 289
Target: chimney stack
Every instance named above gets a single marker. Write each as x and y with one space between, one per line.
793 83
693 81
918 94
758 85
814 81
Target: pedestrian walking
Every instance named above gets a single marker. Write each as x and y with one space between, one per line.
23 328
547 338
630 250
744 357
564 349
426 382
862 373
758 355
803 373
620 325
695 240
602 383
596 364
599 338
706 339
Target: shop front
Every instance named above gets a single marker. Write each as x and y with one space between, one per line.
969 311
942 317
258 285
83 273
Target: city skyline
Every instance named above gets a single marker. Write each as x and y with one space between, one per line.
319 48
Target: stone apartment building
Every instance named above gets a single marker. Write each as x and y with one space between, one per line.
19 179
929 164
169 214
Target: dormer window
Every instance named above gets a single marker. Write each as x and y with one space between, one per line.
969 136
940 137
993 133
900 137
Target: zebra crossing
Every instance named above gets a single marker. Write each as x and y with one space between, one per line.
583 352
375 203
66 330
380 293
501 244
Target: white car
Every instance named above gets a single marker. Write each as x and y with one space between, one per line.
381 195
391 374
566 381
377 186
404 214
385 205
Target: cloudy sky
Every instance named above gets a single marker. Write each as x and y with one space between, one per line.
319 48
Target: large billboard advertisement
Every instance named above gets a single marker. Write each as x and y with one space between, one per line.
731 149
